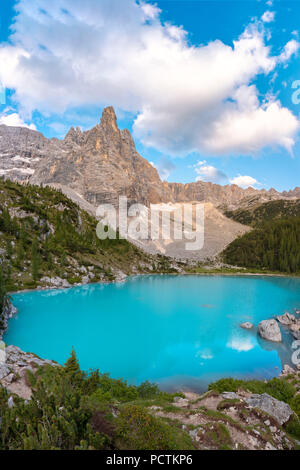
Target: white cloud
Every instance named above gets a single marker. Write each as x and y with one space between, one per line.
150 11
246 126
209 173
15 120
291 48
268 16
244 181
69 53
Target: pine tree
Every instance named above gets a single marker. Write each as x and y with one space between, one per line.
72 367
3 294
6 221
35 260
20 254
9 250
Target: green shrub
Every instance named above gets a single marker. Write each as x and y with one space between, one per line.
293 428
280 389
148 390
139 430
295 404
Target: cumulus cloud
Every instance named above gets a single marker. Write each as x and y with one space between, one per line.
268 16
15 120
247 126
209 173
150 11
291 48
244 181
68 53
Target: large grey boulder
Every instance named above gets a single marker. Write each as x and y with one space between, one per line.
269 330
279 410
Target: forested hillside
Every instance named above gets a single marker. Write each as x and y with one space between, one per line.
45 234
274 246
264 212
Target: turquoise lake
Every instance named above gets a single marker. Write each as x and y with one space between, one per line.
177 331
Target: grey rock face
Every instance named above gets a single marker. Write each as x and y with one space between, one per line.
21 151
269 330
4 371
2 353
279 410
13 374
8 312
101 164
15 356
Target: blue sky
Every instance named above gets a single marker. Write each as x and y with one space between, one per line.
204 85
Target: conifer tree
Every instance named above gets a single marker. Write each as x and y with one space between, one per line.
9 250
20 254
3 294
72 366
35 260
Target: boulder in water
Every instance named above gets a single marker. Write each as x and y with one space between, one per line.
247 325
269 330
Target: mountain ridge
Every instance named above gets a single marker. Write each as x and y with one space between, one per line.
102 164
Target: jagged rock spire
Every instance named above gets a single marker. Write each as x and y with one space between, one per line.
109 119
74 134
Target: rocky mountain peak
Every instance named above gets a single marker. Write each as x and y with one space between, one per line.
109 119
102 163
74 135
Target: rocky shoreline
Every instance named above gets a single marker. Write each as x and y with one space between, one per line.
270 330
15 366
9 311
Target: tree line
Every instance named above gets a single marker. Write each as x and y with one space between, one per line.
274 246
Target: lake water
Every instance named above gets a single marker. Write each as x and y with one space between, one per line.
177 331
